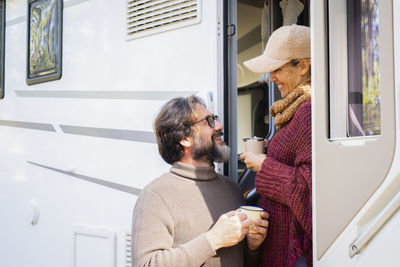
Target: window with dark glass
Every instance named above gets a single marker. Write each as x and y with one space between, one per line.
363 65
44 41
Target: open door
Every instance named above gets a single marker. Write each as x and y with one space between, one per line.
251 94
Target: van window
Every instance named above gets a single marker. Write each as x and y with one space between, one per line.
364 117
2 40
44 41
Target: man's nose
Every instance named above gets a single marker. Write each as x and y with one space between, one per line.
218 125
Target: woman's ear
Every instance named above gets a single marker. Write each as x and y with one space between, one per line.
305 65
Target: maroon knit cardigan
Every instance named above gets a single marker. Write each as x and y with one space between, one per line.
284 185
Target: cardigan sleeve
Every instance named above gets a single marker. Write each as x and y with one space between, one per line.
291 185
153 237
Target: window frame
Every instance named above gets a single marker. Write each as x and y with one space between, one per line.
339 50
2 45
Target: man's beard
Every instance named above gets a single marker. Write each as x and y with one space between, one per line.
208 151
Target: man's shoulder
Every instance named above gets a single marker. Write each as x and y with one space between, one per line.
231 190
225 178
154 192
158 183
228 181
168 183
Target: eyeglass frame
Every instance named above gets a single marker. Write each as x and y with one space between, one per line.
210 120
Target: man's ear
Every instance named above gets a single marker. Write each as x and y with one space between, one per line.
187 142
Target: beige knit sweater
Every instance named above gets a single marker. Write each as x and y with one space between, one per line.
173 213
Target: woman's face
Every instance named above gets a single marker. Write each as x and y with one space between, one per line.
289 77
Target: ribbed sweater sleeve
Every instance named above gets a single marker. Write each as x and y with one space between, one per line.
153 237
291 185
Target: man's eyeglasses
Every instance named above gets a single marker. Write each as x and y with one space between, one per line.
210 120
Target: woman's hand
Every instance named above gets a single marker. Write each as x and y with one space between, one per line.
253 161
254 240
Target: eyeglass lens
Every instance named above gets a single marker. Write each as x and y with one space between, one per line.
211 120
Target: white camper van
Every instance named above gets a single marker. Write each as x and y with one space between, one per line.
82 80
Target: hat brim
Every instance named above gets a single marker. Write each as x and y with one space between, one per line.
264 64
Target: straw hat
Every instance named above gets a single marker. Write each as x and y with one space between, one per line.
285 44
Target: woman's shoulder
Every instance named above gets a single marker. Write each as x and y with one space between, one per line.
304 110
301 121
305 107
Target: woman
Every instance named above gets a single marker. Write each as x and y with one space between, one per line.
284 173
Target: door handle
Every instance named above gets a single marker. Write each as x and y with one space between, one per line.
375 225
231 30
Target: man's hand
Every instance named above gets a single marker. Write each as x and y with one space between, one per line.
253 161
229 230
261 227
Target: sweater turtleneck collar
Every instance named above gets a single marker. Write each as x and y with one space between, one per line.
194 172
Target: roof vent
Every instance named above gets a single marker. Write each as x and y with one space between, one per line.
147 17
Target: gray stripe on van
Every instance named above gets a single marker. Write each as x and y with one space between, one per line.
15 21
120 187
23 18
129 135
28 125
138 95
74 3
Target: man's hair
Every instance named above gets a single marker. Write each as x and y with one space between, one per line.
173 124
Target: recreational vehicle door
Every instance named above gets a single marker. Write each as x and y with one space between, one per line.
356 172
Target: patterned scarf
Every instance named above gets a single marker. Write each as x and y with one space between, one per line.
283 110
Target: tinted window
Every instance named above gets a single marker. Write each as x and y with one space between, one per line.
363 63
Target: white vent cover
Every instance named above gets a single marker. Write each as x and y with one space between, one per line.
147 17
94 246
128 249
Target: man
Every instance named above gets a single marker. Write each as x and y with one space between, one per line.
188 217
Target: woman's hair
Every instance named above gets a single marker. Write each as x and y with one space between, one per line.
173 124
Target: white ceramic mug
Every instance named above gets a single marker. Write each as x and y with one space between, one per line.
254 144
253 213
